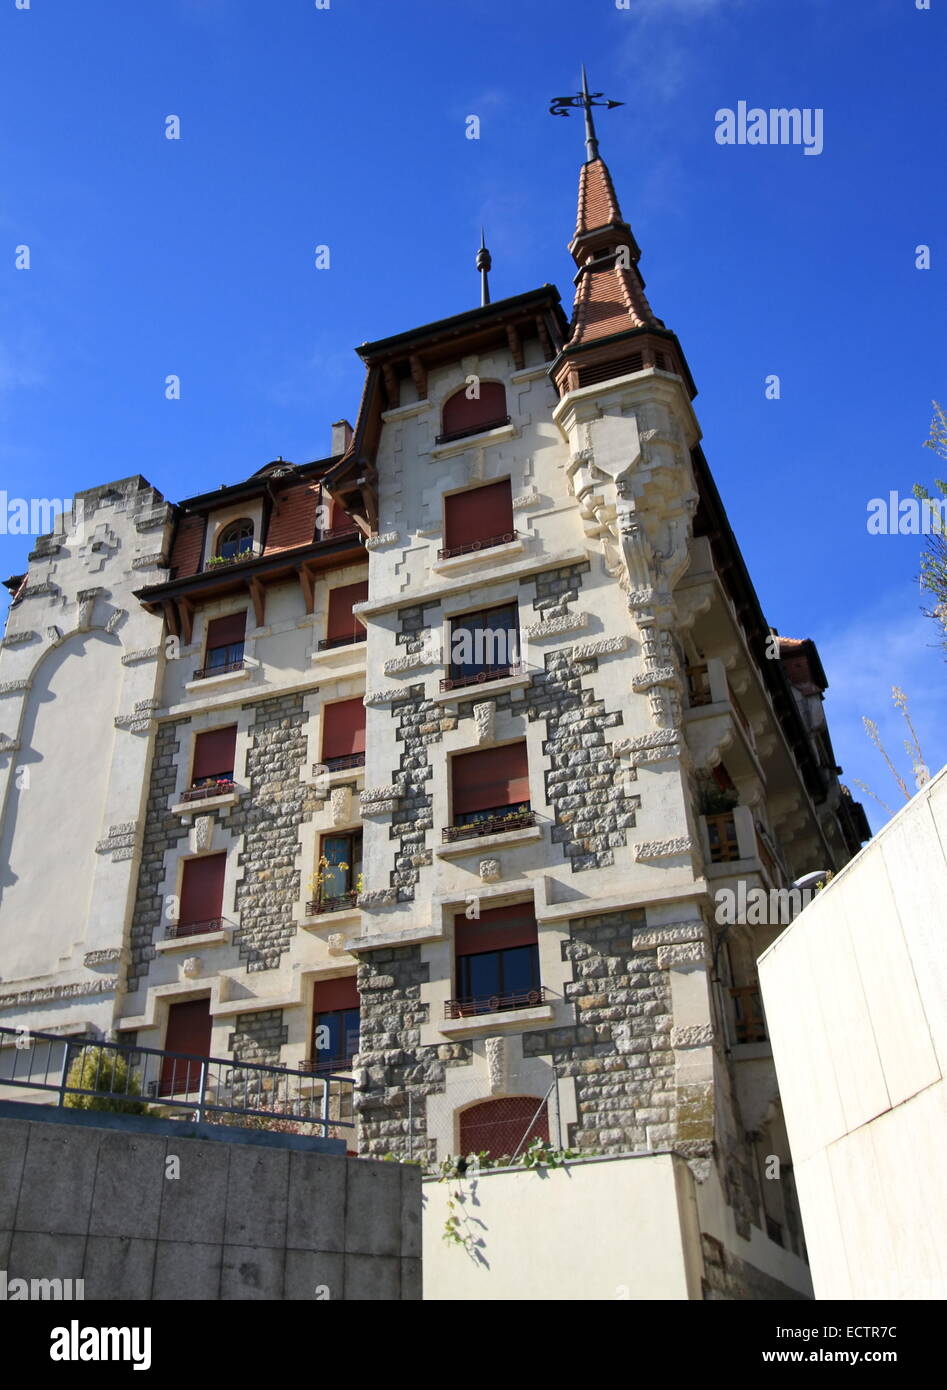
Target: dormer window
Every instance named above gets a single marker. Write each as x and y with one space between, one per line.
463 415
235 539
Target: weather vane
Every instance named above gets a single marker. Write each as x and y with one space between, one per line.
586 99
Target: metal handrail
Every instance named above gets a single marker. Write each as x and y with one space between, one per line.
211 1087
346 760
337 902
222 786
480 428
175 929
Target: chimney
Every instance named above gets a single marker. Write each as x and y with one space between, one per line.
341 437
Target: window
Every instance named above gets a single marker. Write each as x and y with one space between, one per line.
490 790
225 642
202 895
497 961
484 646
336 880
235 539
214 756
342 626
188 1030
335 1023
343 734
462 416
477 519
503 1127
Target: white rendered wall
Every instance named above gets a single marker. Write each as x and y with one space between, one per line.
638 1237
856 999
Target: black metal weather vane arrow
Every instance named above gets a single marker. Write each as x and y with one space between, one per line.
560 106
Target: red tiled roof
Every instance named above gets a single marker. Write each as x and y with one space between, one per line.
598 205
608 301
293 520
187 548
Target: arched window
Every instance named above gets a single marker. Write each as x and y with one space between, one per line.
235 539
462 415
505 1126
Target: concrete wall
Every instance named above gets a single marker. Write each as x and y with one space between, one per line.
856 997
623 1228
248 1217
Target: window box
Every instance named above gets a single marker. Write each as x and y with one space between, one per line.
221 787
340 902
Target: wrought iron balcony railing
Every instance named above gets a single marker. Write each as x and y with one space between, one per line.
492 825
472 547
495 1003
205 671
722 834
748 1011
489 673
480 428
327 643
197 928
337 902
346 760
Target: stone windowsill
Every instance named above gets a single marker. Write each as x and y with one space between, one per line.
457 564
218 682
505 1020
344 917
473 441
188 943
480 692
206 803
478 844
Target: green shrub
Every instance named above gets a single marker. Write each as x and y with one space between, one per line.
102 1069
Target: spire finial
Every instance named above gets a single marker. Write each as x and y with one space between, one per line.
484 262
586 99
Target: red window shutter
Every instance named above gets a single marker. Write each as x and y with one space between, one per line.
461 414
222 632
202 888
495 930
332 995
478 515
343 728
493 777
507 1125
188 1030
341 621
214 751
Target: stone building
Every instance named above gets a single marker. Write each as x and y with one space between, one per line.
429 760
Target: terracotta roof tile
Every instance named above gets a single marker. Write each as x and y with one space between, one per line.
608 301
293 520
598 205
188 547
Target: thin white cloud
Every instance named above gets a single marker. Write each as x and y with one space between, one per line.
892 645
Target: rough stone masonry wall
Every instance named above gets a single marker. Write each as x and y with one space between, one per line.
392 1062
162 832
269 818
619 1051
419 723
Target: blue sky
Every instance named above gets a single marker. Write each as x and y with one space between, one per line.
346 127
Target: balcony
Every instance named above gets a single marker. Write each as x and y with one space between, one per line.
492 825
495 1003
338 533
698 686
177 929
339 902
222 562
205 672
490 673
473 547
749 1022
319 1066
328 644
